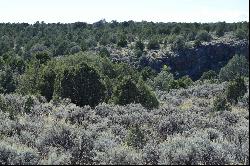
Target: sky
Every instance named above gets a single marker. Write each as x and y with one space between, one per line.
69 11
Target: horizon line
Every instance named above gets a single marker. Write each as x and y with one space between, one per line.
41 21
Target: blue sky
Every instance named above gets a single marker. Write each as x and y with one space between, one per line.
123 10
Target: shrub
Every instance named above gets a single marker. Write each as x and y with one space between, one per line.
241 34
56 158
147 98
16 155
203 36
57 135
75 49
151 154
29 82
47 82
237 67
28 104
139 45
164 79
104 52
209 75
7 81
120 155
184 82
153 44
122 42
148 73
42 57
138 53
192 151
178 44
82 84
126 92
220 103
235 90
220 32
197 43
83 153
220 29
135 137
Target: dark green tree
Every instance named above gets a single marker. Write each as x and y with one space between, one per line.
146 96
43 57
47 82
8 81
237 67
221 29
209 75
203 36
104 52
220 103
153 44
235 90
126 92
82 84
178 44
139 45
184 82
163 81
148 73
129 92
122 42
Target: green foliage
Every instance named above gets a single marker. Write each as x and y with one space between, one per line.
237 67
203 36
122 42
235 90
148 73
139 45
42 57
123 69
220 103
6 44
47 82
75 49
178 44
104 52
135 137
28 104
62 48
108 68
82 84
241 34
220 29
6 107
127 91
164 79
184 82
153 44
15 62
138 53
29 82
7 81
147 97
197 43
209 75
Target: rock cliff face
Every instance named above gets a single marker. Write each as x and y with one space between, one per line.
195 61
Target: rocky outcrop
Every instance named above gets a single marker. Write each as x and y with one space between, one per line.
194 61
